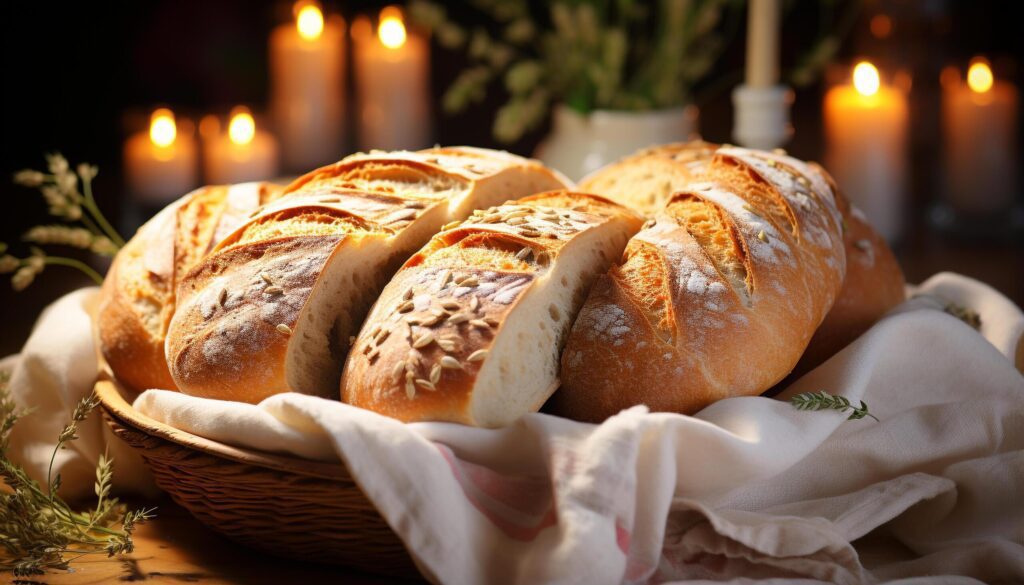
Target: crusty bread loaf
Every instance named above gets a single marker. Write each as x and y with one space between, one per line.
717 297
873 284
645 180
271 309
470 329
137 299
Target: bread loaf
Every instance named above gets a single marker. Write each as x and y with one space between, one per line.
137 299
716 297
644 181
470 329
272 308
873 284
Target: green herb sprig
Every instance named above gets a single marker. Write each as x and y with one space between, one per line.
965 314
822 400
38 530
69 198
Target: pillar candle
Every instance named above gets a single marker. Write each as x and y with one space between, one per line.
160 163
243 153
762 68
307 92
392 74
979 126
866 133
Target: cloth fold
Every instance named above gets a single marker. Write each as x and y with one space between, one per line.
747 490
56 368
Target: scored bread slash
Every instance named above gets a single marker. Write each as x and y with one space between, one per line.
488 303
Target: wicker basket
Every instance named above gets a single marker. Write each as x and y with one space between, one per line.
285 506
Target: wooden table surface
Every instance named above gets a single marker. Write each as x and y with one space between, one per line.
174 548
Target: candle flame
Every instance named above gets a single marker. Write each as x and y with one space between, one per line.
242 127
391 29
310 22
162 129
979 76
865 79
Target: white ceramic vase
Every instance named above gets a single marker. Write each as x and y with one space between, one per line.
582 143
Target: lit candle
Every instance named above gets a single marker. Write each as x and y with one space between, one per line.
307 91
866 132
160 163
980 124
244 153
392 70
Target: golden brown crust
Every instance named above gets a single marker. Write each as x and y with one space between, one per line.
137 300
421 351
133 353
874 284
717 297
233 328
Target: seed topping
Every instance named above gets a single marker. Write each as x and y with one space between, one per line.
423 340
450 363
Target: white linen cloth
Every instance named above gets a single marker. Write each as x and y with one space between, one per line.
748 490
56 368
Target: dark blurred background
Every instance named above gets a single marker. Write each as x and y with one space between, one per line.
77 70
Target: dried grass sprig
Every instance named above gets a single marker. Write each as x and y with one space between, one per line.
38 530
69 197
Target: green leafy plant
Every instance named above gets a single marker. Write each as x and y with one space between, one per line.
68 195
39 531
599 54
822 400
624 55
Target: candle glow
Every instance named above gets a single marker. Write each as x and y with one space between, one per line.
392 65
866 129
310 22
979 76
391 30
160 161
162 129
865 79
979 119
242 127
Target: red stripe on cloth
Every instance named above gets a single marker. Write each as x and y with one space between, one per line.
519 506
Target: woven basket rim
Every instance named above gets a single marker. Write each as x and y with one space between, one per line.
115 398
